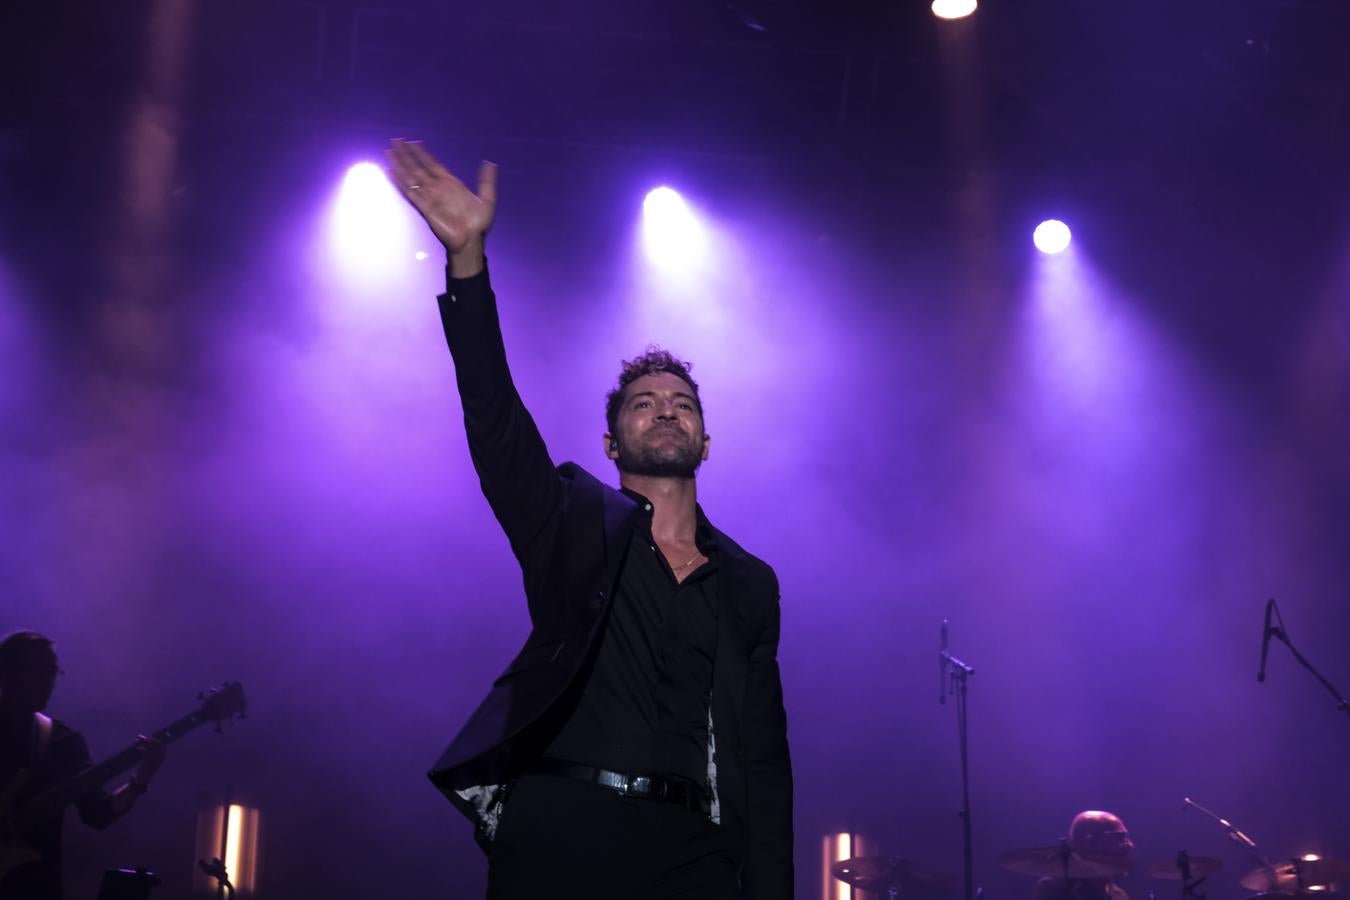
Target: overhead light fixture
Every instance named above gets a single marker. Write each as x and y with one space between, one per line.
954 9
1052 236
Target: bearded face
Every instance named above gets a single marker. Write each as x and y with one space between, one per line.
660 429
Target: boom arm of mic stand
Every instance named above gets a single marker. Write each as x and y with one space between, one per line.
956 664
1234 834
1341 703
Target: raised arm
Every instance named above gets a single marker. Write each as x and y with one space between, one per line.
513 465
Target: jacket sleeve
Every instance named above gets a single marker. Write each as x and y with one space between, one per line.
513 465
768 872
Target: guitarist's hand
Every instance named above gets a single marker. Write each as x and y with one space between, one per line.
152 756
153 752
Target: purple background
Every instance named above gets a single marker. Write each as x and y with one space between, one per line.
224 456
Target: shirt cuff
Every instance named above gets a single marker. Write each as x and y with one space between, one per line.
468 286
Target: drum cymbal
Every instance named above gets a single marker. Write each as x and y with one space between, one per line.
884 873
1284 879
1059 861
1170 869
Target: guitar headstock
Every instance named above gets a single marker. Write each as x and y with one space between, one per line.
223 703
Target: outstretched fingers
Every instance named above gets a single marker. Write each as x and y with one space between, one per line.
404 171
455 214
426 164
487 184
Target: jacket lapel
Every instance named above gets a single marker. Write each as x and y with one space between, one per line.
735 639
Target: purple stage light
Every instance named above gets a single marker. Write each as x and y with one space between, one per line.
365 185
671 233
664 204
954 9
370 228
1052 236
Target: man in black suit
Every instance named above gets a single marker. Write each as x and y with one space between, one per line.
637 745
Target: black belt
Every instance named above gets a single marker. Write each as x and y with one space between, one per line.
672 789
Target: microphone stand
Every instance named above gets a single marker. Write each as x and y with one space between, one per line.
1234 835
1189 885
960 675
1278 632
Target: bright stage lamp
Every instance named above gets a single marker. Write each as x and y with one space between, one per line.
954 9
1051 236
670 230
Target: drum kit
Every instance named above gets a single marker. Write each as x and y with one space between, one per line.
1303 878
904 879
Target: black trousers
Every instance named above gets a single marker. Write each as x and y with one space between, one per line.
561 839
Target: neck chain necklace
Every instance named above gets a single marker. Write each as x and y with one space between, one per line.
688 562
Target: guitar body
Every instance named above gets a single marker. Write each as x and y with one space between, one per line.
21 874
13 851
12 856
26 875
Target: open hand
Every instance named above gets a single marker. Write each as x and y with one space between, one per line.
458 217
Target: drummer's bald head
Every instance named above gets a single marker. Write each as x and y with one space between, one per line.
1098 833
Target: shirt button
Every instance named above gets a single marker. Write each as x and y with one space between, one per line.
647 507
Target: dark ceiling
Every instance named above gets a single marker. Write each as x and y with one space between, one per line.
1117 93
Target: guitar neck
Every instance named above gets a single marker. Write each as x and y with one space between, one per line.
51 801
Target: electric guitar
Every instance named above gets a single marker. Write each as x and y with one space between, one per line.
17 819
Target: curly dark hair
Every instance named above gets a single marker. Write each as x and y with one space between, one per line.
651 361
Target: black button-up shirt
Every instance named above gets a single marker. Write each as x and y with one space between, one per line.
642 701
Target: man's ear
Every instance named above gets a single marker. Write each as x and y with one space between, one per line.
707 439
611 446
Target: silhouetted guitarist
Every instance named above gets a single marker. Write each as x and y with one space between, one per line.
36 753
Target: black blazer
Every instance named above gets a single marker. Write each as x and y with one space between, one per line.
569 531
